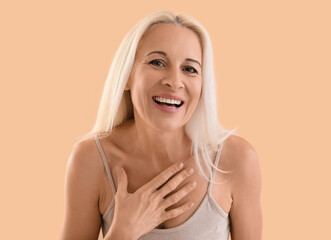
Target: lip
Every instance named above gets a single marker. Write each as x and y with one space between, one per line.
165 109
167 95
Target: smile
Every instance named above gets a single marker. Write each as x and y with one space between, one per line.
168 102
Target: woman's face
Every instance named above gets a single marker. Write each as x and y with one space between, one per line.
165 81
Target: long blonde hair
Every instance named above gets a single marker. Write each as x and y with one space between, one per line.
203 128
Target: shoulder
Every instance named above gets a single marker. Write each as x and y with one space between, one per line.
240 150
84 153
82 193
241 158
245 212
84 163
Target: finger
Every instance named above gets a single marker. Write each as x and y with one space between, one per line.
177 196
176 211
160 179
174 182
122 180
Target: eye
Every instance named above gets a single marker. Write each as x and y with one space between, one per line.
190 69
157 62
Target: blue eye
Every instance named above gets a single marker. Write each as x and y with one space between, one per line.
191 69
157 62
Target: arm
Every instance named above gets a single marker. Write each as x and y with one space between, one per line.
246 213
82 219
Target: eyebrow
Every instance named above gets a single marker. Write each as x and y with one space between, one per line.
163 53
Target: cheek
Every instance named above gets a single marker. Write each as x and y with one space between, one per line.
195 95
196 90
139 93
144 76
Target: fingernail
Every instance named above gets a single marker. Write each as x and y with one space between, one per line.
180 165
190 171
193 184
119 170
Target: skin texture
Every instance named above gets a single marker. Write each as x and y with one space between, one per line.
150 143
157 133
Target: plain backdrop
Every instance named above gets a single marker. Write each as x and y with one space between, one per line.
272 61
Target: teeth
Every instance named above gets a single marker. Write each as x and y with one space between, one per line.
167 100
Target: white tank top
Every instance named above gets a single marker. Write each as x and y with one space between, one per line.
208 222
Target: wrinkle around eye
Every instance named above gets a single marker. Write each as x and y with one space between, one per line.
191 68
156 60
163 65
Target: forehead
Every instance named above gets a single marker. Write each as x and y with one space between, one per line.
173 40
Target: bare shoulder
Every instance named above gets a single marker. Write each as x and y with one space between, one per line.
239 150
84 168
86 147
245 212
85 158
82 218
241 158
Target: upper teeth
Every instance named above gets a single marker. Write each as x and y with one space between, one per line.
167 100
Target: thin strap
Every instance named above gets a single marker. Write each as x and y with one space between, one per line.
105 163
217 159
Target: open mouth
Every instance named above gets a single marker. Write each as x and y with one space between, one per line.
171 103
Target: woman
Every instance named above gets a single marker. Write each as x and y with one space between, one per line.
158 109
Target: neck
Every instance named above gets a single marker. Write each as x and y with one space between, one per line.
158 147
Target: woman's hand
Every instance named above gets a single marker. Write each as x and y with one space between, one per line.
138 213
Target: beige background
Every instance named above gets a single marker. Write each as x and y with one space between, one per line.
272 63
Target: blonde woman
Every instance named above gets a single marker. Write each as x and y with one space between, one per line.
151 166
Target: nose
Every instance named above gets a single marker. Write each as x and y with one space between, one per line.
173 79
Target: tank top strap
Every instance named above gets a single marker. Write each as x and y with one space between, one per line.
216 161
105 163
